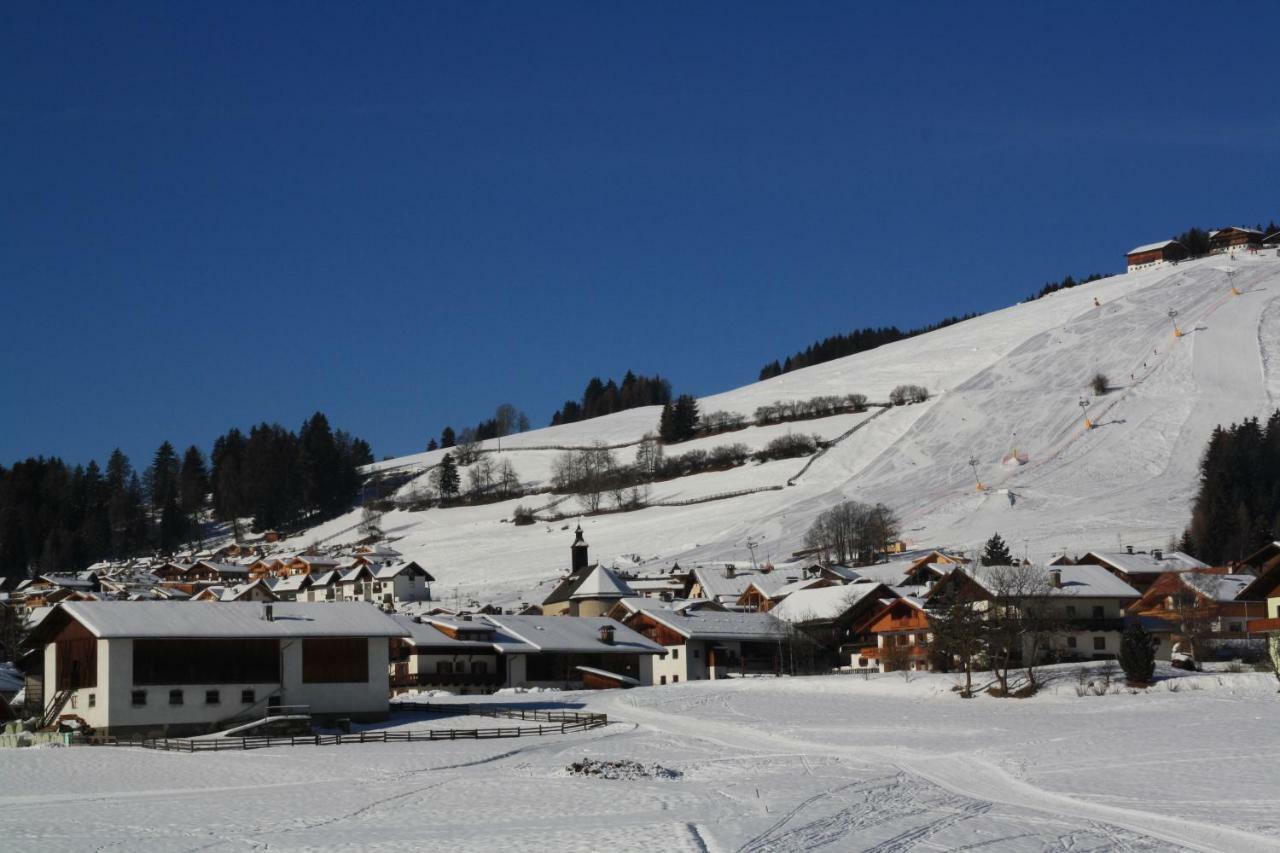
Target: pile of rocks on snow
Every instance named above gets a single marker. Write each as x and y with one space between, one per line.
620 769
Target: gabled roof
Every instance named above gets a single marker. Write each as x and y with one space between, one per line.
1217 587
290 583
566 587
389 571
1085 580
715 585
713 625
233 619
826 604
602 583
1151 247
1140 563
574 634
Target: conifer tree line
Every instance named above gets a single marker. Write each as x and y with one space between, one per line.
1237 508
507 420
59 517
859 340
605 398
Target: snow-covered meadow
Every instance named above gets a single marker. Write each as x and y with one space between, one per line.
1011 379
836 763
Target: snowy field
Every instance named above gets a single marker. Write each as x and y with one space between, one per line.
1009 379
828 763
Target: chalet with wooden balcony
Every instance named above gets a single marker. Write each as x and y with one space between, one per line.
176 668
709 644
764 592
1234 239
387 585
901 632
1156 254
256 591
1203 613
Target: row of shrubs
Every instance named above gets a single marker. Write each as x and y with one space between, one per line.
905 394
822 406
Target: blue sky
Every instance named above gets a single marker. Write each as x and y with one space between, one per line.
404 215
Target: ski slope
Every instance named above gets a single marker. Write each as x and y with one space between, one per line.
1009 379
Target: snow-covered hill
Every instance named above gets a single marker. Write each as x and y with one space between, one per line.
1011 378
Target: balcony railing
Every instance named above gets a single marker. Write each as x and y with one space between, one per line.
448 679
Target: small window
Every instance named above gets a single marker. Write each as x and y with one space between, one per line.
675 679
904 639
1235 628
1071 642
175 697
675 654
1099 644
247 697
444 667
212 697
75 701
696 653
662 679
479 667
1098 611
139 698
93 700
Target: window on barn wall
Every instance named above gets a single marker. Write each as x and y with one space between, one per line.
335 660
206 661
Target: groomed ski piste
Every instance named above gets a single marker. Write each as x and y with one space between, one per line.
833 763
1009 381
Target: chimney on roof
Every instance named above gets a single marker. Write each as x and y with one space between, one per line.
606 634
268 612
1055 578
730 570
1157 554
1129 548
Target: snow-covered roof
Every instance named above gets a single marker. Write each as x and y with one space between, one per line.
889 574
167 619
291 583
716 585
1084 580
1140 563
324 578
389 571
422 632
1217 587
716 625
1151 247
602 583
824 604
573 634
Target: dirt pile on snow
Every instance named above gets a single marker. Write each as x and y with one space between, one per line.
620 769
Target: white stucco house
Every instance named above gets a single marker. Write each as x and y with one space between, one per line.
182 668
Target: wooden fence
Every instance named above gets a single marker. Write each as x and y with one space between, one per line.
549 723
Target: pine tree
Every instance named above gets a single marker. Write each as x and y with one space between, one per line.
193 481
1137 654
432 445
161 478
447 437
686 417
996 552
447 478
667 424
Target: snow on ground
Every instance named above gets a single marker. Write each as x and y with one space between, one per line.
833 763
1009 379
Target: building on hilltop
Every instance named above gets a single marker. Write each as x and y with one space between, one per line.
1154 254
1233 238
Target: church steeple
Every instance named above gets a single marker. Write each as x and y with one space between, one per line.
579 552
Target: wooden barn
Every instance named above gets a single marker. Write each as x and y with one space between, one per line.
1234 239
1153 254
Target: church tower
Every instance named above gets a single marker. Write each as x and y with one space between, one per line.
579 552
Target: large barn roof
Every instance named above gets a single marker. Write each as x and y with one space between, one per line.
233 619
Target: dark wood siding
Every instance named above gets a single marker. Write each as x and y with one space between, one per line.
332 660
77 651
206 662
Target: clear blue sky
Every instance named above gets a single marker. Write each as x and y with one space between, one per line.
402 215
